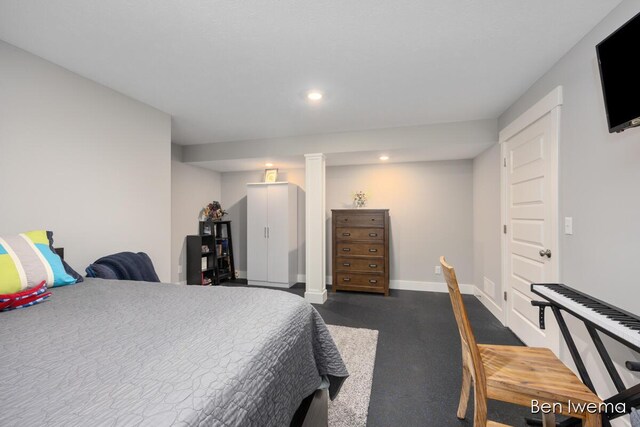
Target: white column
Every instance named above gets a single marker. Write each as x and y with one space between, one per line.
316 291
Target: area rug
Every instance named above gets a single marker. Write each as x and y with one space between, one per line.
358 350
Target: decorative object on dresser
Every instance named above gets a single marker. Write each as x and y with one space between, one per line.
272 234
210 254
359 199
361 250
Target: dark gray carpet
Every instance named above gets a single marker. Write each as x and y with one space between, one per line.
416 379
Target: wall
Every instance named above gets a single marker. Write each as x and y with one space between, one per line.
431 212
486 228
599 175
84 161
191 189
430 207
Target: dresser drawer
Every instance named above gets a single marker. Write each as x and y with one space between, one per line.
359 265
375 219
359 249
360 280
347 233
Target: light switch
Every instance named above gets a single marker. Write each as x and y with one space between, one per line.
568 225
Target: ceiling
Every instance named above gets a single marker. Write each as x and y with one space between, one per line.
239 70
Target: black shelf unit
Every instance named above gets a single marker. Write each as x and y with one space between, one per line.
210 254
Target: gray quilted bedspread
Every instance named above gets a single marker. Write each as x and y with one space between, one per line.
108 353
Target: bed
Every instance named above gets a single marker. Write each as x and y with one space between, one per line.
108 352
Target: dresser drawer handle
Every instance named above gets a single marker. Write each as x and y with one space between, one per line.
346 249
373 219
346 264
346 279
373 265
373 234
373 250
346 234
373 281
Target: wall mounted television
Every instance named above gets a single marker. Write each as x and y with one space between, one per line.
619 64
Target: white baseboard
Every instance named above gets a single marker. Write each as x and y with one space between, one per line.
490 304
405 285
316 297
409 285
270 284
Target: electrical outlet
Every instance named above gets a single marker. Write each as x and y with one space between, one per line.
179 269
437 269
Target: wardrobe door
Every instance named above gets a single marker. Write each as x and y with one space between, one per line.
257 211
278 233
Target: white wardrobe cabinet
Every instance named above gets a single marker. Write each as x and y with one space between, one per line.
272 239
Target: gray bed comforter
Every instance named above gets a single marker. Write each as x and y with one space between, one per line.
136 353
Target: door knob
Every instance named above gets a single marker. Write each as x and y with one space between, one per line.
545 252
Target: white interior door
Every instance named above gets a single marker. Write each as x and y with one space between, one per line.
531 218
257 220
278 234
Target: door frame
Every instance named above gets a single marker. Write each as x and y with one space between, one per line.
550 104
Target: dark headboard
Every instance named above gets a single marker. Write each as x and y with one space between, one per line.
60 252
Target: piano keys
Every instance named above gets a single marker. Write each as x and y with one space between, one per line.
597 315
617 323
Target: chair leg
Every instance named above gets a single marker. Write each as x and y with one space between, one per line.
592 420
549 420
464 393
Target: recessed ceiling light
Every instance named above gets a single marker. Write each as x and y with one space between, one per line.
314 95
384 157
268 164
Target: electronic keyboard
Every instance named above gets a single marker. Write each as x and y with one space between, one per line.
615 322
597 315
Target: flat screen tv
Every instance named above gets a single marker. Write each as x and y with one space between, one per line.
620 75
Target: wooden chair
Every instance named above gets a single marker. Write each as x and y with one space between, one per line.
514 374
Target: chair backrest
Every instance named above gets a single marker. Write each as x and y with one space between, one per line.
470 352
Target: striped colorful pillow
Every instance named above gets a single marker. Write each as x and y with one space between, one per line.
26 260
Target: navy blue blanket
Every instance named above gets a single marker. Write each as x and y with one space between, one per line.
124 266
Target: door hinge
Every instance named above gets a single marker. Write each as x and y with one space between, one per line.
504 162
504 229
504 295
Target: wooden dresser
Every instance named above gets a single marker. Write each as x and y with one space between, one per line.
361 250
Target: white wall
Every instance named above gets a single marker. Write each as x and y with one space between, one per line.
191 189
486 227
430 205
599 176
84 161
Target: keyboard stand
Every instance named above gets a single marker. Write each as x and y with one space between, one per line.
629 396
